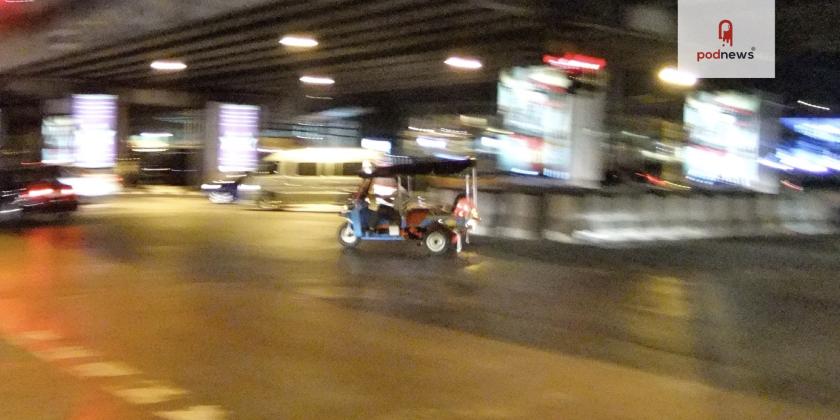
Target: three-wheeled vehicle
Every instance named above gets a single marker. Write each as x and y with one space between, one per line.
440 229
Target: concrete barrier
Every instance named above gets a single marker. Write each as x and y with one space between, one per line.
767 215
700 216
488 211
520 216
744 216
810 215
603 219
564 217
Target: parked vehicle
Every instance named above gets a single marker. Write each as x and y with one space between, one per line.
33 190
297 178
440 229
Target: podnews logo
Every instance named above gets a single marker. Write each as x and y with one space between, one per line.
732 39
726 34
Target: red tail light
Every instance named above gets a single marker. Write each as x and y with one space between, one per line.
38 192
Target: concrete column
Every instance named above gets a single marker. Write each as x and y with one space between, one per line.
123 129
2 129
210 168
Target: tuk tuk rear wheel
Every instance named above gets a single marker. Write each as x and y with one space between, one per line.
438 242
267 201
347 236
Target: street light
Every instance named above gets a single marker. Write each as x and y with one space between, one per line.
675 77
464 63
299 41
317 80
168 65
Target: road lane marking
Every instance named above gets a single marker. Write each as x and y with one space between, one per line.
65 353
144 393
201 412
104 370
151 392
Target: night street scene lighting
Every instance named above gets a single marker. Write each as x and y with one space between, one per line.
465 209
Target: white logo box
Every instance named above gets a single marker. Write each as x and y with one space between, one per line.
707 27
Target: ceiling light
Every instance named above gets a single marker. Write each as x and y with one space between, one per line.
298 41
317 80
464 63
168 65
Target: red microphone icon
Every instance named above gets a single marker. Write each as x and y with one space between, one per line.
725 30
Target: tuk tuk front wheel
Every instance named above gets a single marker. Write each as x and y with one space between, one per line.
347 235
438 242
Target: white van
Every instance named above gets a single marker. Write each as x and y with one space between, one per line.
306 177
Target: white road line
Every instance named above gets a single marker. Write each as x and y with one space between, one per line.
138 393
40 336
150 393
104 370
201 412
65 353
98 206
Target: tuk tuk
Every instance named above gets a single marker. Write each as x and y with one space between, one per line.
440 229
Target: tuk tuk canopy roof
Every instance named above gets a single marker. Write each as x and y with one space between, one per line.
421 167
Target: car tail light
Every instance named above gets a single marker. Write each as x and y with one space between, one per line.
67 190
39 192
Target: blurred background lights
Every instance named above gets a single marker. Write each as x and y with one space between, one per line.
317 80
810 105
156 135
675 77
464 63
168 65
299 41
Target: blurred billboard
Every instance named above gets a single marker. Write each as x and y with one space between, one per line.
555 124
727 132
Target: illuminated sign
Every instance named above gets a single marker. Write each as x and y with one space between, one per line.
238 132
824 129
95 117
59 139
723 139
535 106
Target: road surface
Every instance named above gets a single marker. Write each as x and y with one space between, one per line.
174 308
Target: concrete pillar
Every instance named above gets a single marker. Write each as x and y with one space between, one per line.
2 129
210 167
123 129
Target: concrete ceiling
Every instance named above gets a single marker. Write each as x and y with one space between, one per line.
366 45
46 29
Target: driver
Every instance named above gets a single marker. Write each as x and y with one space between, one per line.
384 191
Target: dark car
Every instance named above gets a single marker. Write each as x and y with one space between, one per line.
35 190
